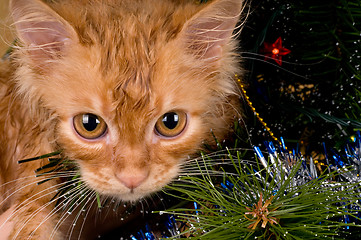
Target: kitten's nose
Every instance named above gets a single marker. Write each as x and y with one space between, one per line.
132 179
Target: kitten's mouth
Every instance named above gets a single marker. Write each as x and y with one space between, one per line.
131 195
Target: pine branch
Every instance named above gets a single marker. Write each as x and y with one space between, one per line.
283 200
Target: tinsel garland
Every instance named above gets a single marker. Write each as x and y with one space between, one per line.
285 196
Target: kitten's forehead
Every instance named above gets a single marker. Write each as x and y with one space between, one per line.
132 61
128 32
126 41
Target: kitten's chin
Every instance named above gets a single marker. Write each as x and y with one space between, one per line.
127 195
130 197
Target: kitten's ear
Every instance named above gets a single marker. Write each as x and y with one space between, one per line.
43 32
210 29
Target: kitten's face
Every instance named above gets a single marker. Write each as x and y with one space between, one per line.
130 141
134 97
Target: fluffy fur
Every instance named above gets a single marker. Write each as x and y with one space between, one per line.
129 62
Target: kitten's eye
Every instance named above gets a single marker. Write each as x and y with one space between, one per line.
171 124
89 126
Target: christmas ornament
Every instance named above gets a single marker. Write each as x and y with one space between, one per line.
275 51
260 213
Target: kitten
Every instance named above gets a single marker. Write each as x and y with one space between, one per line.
127 89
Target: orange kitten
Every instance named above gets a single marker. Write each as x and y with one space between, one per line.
127 89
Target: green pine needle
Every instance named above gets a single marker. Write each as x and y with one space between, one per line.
308 211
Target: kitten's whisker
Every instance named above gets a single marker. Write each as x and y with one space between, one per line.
118 202
70 195
279 67
35 212
104 205
206 164
77 203
216 161
291 63
141 205
36 180
219 154
60 205
144 204
57 187
161 199
85 217
219 167
208 159
35 177
15 180
114 201
240 26
31 200
151 198
223 152
7 193
210 162
201 172
211 173
199 175
54 211
198 172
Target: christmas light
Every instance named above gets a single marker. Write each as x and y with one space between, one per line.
275 50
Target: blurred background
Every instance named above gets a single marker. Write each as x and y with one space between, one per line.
303 71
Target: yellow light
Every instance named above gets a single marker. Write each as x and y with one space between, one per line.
275 51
